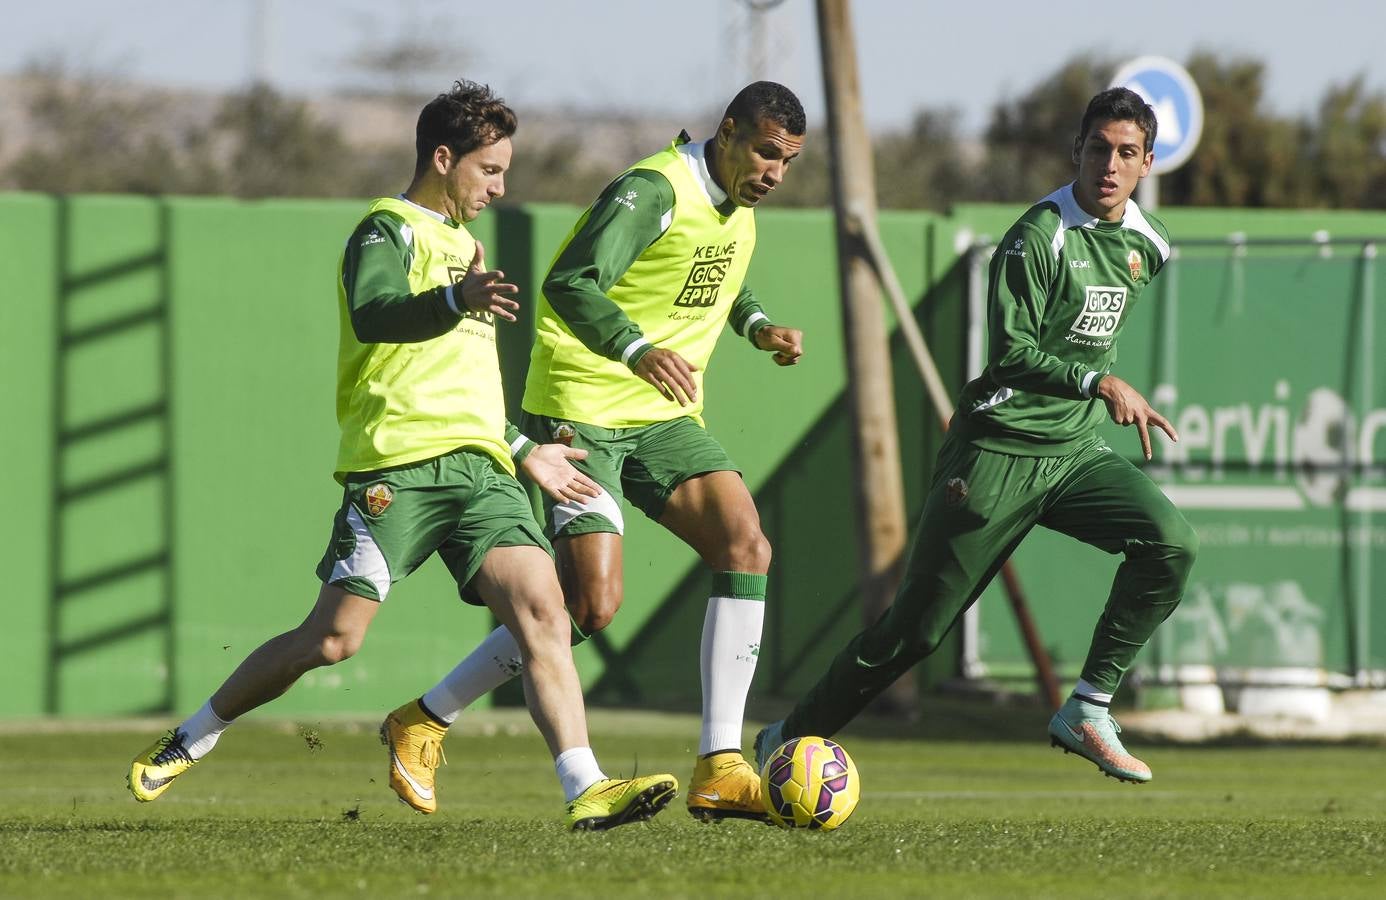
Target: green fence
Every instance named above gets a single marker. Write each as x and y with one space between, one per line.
171 437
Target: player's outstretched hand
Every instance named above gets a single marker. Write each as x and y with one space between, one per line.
547 466
786 343
1126 406
671 375
485 292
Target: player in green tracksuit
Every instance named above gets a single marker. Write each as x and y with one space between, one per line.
1023 450
425 461
636 299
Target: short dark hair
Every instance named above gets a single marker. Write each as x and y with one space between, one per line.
1122 105
767 100
465 118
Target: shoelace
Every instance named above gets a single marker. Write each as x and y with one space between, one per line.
172 750
431 754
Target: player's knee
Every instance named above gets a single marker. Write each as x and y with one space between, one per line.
543 623
919 646
330 649
590 621
749 551
1180 541
593 603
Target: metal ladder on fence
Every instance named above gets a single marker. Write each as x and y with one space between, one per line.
83 474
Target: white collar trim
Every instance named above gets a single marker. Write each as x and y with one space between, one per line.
695 156
424 209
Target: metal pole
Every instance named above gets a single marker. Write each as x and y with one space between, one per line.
875 442
1148 192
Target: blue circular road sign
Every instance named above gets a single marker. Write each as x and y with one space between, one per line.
1170 90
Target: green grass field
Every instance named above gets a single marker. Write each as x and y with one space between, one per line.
302 810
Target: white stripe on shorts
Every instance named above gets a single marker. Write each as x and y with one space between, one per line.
606 505
366 561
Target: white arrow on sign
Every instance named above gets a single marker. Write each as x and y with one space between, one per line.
1166 114
1178 135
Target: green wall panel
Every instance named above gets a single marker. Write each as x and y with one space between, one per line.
177 358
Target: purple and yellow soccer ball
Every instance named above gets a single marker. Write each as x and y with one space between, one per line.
810 782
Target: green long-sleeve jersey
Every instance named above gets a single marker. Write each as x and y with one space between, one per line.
657 260
1063 284
417 373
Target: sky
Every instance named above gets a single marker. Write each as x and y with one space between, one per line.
659 56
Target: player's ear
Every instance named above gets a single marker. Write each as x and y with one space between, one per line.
726 132
442 159
1077 149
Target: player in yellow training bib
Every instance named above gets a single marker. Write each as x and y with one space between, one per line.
426 465
634 303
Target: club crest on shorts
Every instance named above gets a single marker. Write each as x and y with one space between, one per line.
955 492
563 433
1133 262
378 498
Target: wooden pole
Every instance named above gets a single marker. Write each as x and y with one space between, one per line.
880 512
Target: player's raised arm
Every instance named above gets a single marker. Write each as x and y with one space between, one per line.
1022 273
485 290
375 275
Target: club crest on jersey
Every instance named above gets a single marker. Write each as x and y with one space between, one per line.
378 498
1133 262
563 433
1102 309
955 492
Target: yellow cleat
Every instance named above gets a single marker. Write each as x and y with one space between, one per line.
154 770
614 801
416 750
725 786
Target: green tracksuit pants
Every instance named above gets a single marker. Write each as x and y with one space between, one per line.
980 507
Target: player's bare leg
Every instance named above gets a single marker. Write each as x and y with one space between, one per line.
520 587
332 632
716 516
590 569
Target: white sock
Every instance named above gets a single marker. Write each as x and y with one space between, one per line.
731 646
1084 691
495 661
202 729
577 771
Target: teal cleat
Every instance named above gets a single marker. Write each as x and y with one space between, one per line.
1090 731
768 740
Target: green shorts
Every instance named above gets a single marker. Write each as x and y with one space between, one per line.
643 464
461 505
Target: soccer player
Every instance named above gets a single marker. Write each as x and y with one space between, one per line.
426 462
1023 450
634 303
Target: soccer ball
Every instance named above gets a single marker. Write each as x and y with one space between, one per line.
810 782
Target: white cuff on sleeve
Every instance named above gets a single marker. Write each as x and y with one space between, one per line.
519 444
1086 386
630 350
750 328
452 301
